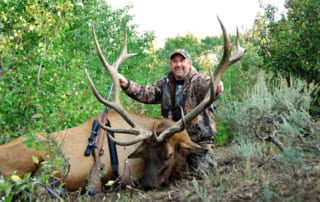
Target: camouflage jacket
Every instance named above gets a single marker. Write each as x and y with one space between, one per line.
195 87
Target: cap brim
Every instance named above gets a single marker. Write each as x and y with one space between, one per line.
177 53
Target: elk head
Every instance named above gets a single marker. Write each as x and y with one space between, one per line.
162 159
164 149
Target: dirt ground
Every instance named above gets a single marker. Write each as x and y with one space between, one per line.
237 179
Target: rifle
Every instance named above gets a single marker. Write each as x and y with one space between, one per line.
94 182
95 145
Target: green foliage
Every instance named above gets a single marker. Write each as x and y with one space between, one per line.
35 187
249 150
282 107
293 100
292 158
45 46
25 189
237 80
204 52
14 186
201 191
293 42
241 76
291 45
224 133
188 42
267 193
209 42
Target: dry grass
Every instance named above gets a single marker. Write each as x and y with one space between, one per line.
236 179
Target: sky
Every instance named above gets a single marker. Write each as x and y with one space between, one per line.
169 18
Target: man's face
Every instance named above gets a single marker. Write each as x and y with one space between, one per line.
180 66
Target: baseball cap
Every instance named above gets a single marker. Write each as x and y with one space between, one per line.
181 52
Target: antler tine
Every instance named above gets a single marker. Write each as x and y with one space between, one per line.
113 69
215 79
124 54
131 131
107 66
226 56
115 77
239 51
135 130
130 142
113 105
182 117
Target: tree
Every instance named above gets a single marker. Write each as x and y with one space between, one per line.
291 45
44 46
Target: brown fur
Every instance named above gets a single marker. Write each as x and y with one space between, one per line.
167 158
15 156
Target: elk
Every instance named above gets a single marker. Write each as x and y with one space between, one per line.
149 150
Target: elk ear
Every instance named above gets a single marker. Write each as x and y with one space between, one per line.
138 153
192 147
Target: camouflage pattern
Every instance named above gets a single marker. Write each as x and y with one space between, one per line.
182 52
195 88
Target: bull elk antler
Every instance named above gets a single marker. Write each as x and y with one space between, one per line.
141 133
116 105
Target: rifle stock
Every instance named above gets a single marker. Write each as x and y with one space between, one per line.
97 170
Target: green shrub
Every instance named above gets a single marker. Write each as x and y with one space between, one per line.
201 191
249 150
289 43
267 193
36 186
270 106
292 159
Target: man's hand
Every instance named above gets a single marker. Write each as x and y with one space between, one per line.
123 81
220 89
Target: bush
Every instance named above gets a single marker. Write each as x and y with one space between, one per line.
279 105
290 43
37 185
292 159
249 150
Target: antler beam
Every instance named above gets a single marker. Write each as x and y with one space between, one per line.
116 105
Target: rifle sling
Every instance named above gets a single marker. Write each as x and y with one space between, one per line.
113 153
95 138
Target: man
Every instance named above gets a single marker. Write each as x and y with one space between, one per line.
182 89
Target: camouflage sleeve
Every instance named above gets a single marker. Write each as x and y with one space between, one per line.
149 94
202 127
202 86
